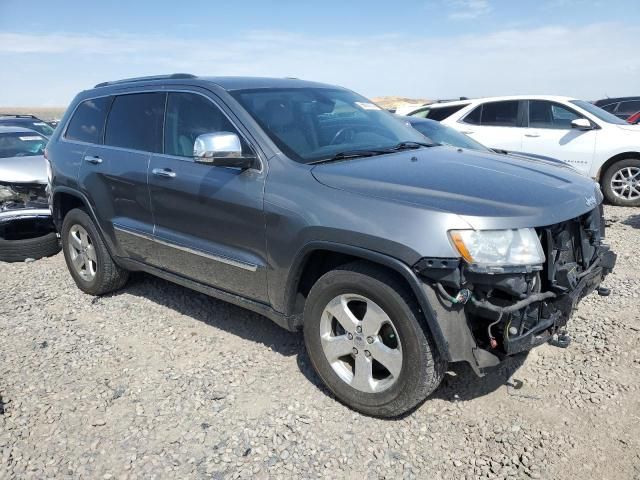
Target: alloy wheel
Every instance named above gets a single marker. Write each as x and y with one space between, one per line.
83 253
625 183
361 343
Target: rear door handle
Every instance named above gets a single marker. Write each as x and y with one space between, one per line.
468 132
93 159
532 135
163 172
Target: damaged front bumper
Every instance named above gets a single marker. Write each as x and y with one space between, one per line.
24 208
485 317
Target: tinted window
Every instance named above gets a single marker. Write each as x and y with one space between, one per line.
190 115
610 108
629 108
87 123
135 122
550 115
443 112
500 114
474 117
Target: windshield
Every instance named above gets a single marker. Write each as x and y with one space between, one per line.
314 124
598 112
20 144
43 128
438 133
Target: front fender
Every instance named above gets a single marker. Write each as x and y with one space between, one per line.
416 285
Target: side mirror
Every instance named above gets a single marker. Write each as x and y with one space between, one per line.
222 149
581 124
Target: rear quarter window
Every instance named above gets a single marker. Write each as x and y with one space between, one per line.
441 113
87 123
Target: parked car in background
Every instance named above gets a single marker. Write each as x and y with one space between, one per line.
311 205
27 121
441 134
438 110
26 229
634 119
593 141
622 107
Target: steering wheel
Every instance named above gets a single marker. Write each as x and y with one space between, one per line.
346 132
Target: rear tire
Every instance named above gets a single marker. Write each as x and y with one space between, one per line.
399 375
620 185
87 257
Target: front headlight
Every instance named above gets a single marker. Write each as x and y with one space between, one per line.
492 250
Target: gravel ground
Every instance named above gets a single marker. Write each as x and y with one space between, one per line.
158 381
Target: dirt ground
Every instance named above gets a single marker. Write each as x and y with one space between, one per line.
157 381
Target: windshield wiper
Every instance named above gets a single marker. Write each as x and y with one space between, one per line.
412 145
352 154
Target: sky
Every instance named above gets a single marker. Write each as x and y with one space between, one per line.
51 50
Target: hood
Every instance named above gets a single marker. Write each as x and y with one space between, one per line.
629 127
23 169
487 190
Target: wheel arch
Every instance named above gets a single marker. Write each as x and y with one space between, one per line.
317 258
64 199
614 159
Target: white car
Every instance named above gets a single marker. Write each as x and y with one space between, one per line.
593 141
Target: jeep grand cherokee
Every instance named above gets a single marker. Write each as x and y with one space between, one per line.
311 205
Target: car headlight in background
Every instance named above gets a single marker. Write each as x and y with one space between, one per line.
492 250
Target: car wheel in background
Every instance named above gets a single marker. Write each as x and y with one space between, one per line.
621 183
20 247
87 257
369 342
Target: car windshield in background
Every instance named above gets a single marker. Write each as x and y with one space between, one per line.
21 144
438 133
43 128
314 124
599 112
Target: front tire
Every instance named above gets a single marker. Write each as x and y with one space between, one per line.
621 183
368 341
87 257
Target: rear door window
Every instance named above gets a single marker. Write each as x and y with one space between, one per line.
543 114
500 114
495 114
87 123
135 122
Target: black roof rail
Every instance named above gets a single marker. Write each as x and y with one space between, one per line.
17 115
172 76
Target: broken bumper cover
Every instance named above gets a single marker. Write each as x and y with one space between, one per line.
555 313
24 214
485 317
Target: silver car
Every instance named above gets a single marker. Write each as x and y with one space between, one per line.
26 229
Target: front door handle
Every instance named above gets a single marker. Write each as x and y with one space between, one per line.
532 135
163 172
93 159
468 132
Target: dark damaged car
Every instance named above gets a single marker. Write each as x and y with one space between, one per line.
312 206
26 229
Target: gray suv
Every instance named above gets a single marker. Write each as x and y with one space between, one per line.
310 205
